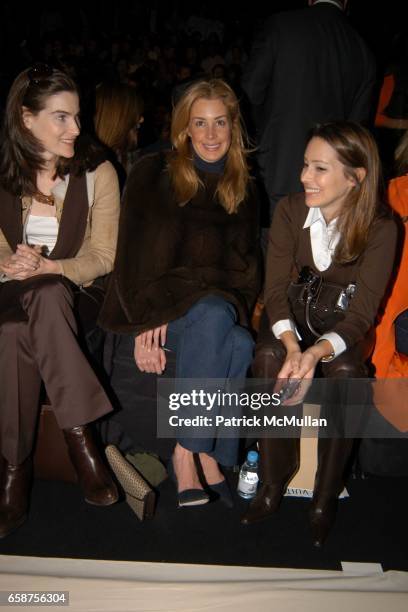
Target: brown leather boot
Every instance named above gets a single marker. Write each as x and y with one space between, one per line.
15 484
279 457
263 505
279 462
333 454
93 476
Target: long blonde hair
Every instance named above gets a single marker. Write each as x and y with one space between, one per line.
232 186
355 148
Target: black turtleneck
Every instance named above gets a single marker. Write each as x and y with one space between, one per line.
216 167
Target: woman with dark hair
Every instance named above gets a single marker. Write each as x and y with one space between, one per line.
187 271
340 242
58 226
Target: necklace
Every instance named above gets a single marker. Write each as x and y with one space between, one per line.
44 199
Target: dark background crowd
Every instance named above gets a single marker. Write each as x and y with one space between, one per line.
155 49
157 46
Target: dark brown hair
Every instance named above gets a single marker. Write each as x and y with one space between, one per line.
355 148
21 154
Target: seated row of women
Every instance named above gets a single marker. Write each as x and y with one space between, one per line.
186 274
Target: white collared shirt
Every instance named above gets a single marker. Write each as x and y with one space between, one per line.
324 239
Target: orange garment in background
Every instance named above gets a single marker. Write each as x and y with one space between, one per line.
385 96
389 363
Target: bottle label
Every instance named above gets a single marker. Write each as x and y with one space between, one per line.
248 482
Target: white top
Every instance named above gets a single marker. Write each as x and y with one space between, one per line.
43 237
41 230
324 239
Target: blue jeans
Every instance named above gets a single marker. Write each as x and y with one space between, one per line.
209 344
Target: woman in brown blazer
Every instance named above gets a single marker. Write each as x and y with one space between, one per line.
339 232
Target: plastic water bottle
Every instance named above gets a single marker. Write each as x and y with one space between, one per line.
248 476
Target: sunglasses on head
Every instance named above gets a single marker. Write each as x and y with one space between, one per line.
39 73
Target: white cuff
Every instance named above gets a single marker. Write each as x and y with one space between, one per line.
337 342
282 326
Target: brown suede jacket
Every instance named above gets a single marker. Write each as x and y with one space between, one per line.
169 256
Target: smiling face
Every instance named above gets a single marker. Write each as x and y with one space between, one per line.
209 129
324 180
56 126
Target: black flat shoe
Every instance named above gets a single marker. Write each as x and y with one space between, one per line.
223 493
192 497
219 491
188 497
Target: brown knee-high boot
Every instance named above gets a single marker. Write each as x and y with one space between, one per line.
279 457
15 484
279 462
333 455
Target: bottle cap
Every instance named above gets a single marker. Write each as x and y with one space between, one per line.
252 456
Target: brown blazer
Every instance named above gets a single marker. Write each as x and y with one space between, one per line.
289 249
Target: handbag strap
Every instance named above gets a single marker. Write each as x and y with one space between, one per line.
309 299
312 287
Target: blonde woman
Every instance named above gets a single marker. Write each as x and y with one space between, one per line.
187 271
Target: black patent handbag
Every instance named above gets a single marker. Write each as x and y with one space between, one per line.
318 304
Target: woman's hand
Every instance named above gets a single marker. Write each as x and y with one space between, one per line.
23 263
289 374
305 366
291 364
154 338
304 371
27 262
148 352
297 367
